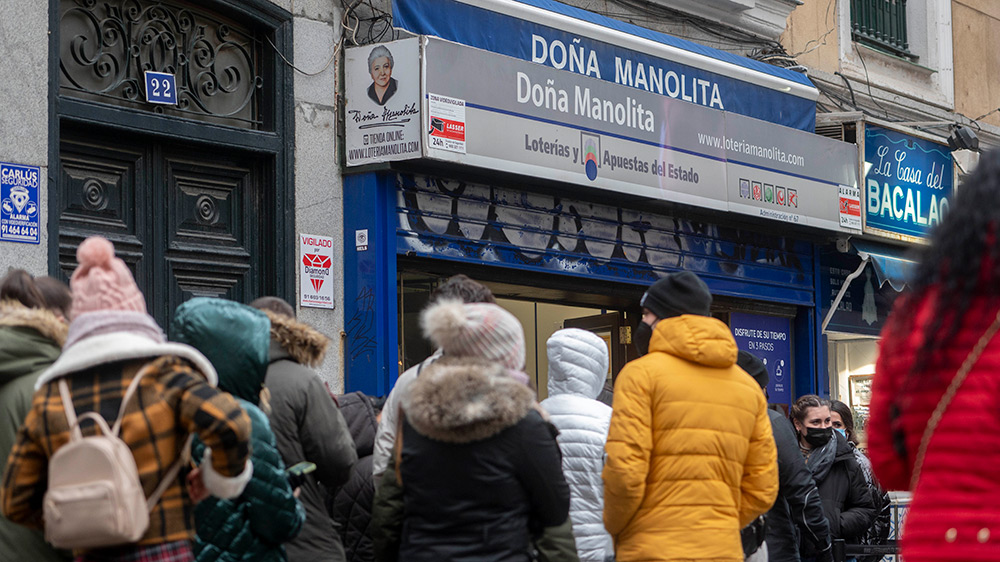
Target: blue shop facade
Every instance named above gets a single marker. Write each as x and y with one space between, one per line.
568 161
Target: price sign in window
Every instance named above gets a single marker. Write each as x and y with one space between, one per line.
161 88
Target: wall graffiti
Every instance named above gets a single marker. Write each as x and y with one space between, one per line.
455 219
361 326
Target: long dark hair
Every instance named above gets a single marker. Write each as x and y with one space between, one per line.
847 417
961 263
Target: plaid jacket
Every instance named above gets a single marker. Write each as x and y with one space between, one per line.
157 421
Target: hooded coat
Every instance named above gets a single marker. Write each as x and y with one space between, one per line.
30 340
798 511
479 466
690 456
352 504
252 527
847 502
578 367
308 426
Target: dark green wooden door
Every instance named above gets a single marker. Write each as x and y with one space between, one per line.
189 220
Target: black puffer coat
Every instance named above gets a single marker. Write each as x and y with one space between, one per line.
479 466
308 426
847 501
352 504
798 511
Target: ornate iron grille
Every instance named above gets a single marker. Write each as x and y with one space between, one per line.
105 48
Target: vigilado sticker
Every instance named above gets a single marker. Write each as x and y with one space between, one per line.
19 211
316 278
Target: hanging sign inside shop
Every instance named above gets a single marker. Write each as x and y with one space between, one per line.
566 38
19 209
383 102
770 339
908 182
316 274
161 88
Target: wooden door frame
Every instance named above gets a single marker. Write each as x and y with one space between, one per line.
277 143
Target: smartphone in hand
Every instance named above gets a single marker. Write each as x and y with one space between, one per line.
297 473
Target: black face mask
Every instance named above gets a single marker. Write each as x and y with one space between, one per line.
643 333
818 436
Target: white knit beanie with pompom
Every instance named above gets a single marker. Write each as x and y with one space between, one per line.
102 281
479 330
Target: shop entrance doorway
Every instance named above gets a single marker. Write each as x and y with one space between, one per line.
542 310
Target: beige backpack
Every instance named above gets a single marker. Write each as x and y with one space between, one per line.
94 497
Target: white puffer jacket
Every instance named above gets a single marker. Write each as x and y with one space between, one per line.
578 367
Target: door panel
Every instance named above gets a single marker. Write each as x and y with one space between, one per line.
187 219
99 193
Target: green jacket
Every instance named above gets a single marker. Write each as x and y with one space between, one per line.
254 526
30 341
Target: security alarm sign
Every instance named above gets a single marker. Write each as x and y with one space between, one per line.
316 276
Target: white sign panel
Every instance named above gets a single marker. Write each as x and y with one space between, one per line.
383 102
316 276
850 207
446 125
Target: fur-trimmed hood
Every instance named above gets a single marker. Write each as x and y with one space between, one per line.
301 342
461 400
30 340
15 314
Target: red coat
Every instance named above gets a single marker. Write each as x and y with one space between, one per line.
955 513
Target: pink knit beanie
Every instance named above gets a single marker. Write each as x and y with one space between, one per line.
102 281
475 330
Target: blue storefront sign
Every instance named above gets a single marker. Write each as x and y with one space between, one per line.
770 339
568 38
19 211
907 185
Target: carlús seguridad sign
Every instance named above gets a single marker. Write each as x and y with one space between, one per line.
19 208
908 182
566 38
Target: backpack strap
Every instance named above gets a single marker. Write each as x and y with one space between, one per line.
74 427
171 474
129 392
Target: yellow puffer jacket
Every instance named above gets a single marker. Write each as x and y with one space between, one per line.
690 456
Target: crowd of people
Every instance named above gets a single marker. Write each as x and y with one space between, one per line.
225 444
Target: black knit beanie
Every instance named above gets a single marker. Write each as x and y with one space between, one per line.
753 366
676 294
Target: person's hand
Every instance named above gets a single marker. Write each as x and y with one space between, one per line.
825 555
296 491
196 486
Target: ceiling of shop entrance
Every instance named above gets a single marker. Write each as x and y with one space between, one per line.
520 285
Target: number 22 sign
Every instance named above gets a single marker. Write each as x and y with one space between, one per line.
161 88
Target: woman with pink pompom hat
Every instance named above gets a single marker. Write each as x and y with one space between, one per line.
111 342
